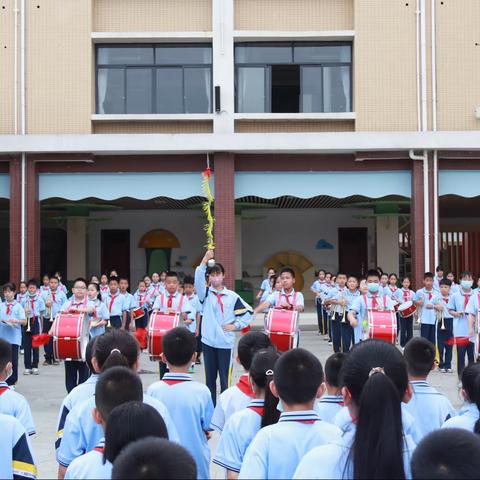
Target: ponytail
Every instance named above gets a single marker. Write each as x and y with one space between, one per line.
271 414
115 359
476 428
471 385
115 348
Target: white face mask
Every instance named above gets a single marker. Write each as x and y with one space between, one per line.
216 281
466 284
373 287
8 373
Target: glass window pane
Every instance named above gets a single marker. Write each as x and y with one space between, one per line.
139 90
322 53
267 53
191 55
111 90
169 90
251 90
336 85
198 90
312 99
125 55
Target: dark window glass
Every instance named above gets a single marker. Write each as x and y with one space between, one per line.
322 54
193 55
169 90
140 55
264 53
285 88
139 90
198 92
312 89
251 89
111 90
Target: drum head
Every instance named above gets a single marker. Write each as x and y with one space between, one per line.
405 305
84 338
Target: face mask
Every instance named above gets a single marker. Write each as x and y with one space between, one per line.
373 287
216 281
280 406
466 284
8 374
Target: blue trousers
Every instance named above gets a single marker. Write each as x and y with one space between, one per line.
428 331
347 336
444 348
218 362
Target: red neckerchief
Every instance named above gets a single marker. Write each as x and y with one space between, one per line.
258 410
244 386
140 300
73 303
219 300
354 419
9 308
53 296
112 299
99 449
170 301
406 295
3 390
467 298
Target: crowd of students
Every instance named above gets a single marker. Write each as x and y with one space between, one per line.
368 413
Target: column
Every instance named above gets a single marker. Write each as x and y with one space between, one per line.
15 219
387 243
417 231
32 221
238 247
224 169
76 247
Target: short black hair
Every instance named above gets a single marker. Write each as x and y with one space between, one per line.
79 279
151 458
333 365
189 280
466 274
116 386
217 269
445 281
89 353
439 269
249 345
289 270
171 273
113 278
122 278
179 345
428 275
447 453
341 273
9 286
420 356
33 281
130 422
298 374
5 353
373 273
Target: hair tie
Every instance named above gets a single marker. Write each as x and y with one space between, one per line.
115 350
269 372
375 370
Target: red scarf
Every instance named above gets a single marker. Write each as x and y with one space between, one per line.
244 386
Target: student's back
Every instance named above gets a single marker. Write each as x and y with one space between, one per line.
14 404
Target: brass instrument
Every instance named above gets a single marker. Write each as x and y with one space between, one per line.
440 318
344 315
109 325
48 310
27 315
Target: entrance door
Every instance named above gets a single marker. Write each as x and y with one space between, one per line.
353 250
116 251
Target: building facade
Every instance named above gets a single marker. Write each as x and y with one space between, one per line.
341 133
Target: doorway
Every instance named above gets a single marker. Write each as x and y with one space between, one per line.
353 251
116 251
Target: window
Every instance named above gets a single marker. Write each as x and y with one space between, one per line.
293 77
146 79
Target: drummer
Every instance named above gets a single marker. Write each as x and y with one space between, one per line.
425 299
338 299
404 295
143 300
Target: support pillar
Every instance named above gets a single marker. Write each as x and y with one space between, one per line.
76 247
417 231
238 248
32 222
15 219
224 169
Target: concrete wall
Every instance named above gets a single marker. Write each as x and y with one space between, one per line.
387 244
6 67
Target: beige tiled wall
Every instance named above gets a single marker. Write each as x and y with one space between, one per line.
385 95
264 126
293 15
59 66
152 15
153 127
6 66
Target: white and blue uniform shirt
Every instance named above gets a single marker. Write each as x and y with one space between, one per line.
16 459
436 283
265 284
14 404
11 311
58 298
190 406
444 301
296 433
220 308
21 298
473 304
317 286
155 289
466 418
429 408
143 300
237 435
403 295
196 307
328 406
176 301
35 304
115 303
129 302
286 300
459 303
101 313
428 316
90 465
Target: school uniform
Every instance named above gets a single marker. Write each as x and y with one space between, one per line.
428 316
232 400
34 326
328 406
327 310
436 283
129 304
81 434
296 433
101 313
219 308
317 287
190 406
286 300
237 435
459 303
429 408
14 404
144 301
156 289
265 285
466 419
445 335
195 305
58 298
337 294
16 459
406 323
115 306
90 465
12 333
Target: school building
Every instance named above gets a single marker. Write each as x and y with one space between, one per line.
341 133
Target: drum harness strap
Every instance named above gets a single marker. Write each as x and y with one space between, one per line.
278 303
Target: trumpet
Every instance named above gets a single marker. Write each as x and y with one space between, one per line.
440 317
344 315
27 314
48 310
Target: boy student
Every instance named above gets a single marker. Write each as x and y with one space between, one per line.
298 382
193 324
128 301
350 335
54 298
463 331
425 300
444 327
11 402
34 307
115 302
12 317
317 290
429 408
188 402
224 312
142 299
332 402
240 395
338 299
472 310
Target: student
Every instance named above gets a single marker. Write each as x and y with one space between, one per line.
156 287
16 459
338 299
115 303
143 300
94 279
437 279
22 292
12 317
462 329
100 317
404 295
45 287
192 299
317 288
103 284
455 287
188 402
81 434
265 286
425 300
128 301
444 327
152 458
373 443
429 408
468 417
11 402
384 290
332 402
61 286
224 312
447 454
472 310
350 335
243 425
34 307
239 396
297 381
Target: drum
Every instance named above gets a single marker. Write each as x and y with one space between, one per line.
138 313
407 309
160 323
382 325
282 328
70 336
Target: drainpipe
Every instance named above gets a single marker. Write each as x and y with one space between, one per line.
23 132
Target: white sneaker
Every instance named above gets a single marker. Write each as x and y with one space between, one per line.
27 371
21 351
35 371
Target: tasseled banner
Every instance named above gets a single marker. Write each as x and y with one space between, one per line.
207 208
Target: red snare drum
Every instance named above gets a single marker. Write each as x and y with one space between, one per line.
70 336
382 325
407 309
281 327
138 313
160 323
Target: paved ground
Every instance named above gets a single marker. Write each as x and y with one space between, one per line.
46 392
